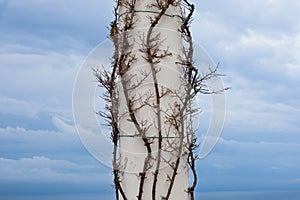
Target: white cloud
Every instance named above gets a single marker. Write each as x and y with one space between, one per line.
40 156
240 165
3 5
275 57
62 144
63 126
259 35
19 141
258 40
68 9
256 116
257 44
43 169
236 155
41 82
18 107
257 13
293 66
57 21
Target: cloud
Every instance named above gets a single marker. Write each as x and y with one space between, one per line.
44 176
249 110
19 142
267 56
237 165
43 43
41 169
62 126
293 68
15 106
64 142
55 162
3 5
256 37
57 21
41 82
261 14
257 44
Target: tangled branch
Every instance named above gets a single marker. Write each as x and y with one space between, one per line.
174 136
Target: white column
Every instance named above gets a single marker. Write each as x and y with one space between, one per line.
133 151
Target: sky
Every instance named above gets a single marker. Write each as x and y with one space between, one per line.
44 43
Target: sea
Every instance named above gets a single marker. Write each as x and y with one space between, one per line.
227 195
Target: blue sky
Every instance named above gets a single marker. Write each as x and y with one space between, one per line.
43 43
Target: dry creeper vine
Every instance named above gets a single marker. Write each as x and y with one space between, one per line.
168 136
